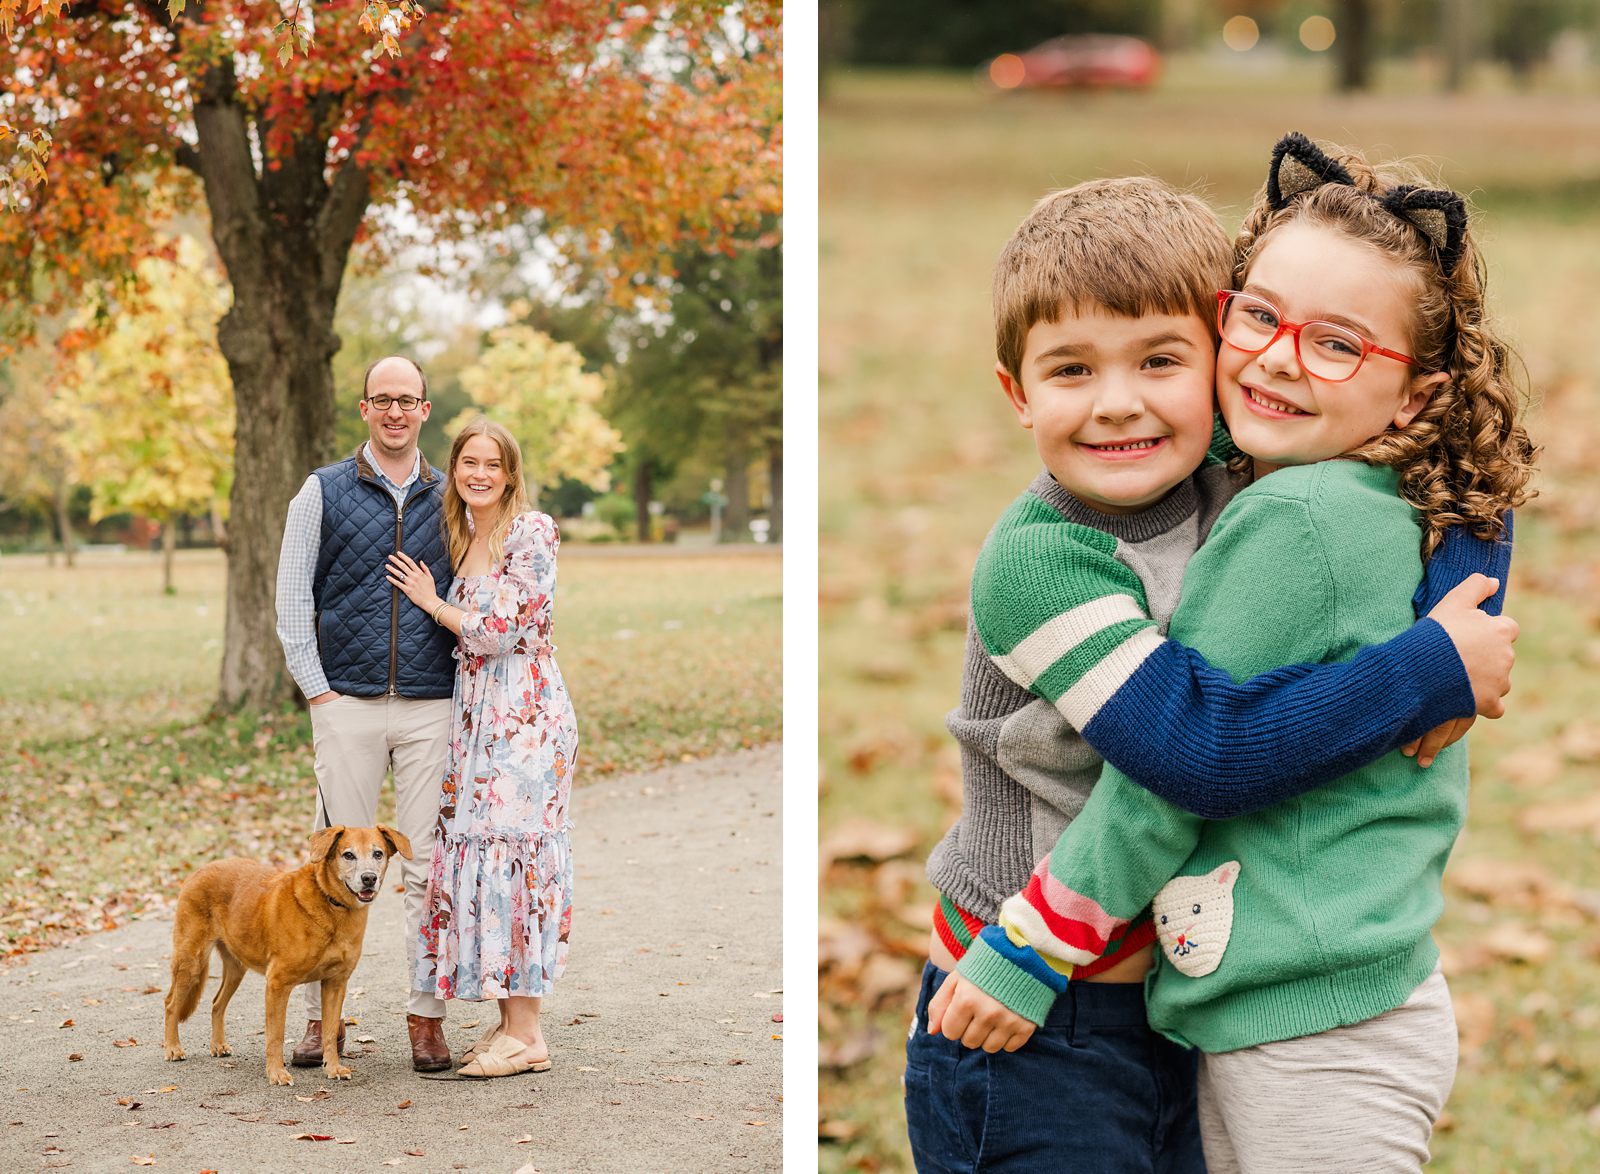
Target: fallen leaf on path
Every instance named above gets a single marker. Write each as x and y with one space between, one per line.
66 1023
321 1094
524 1139
392 1162
755 1122
403 1105
130 1042
75 1056
417 1153
312 1136
146 1160
777 1017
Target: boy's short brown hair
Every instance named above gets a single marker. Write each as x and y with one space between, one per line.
1131 246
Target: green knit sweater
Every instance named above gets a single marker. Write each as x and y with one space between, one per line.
1317 912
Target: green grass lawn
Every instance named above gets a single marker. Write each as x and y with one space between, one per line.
922 178
117 779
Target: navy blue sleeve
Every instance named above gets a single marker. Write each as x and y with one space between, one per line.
1189 734
1460 554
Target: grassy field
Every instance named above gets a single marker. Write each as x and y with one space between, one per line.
117 780
923 177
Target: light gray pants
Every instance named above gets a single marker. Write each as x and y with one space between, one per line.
1359 1098
357 741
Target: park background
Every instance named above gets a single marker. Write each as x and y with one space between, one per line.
925 169
570 215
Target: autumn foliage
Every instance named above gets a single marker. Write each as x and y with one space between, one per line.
624 133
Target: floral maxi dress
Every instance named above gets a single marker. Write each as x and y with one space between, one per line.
499 900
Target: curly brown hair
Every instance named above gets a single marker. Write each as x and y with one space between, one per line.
1465 459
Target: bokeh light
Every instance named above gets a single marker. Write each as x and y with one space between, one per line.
1316 33
1007 71
1240 33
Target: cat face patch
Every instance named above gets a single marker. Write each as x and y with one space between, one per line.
1194 916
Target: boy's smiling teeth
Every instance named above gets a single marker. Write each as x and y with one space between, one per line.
1129 446
1275 405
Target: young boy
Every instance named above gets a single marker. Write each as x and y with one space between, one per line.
1104 315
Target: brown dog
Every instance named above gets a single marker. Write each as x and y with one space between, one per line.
294 927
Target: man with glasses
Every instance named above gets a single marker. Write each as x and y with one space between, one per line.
376 671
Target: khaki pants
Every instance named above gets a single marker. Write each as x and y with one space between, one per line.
1361 1099
357 741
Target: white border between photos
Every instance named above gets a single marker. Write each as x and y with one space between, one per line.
800 587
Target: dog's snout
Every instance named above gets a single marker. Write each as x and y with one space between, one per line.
369 879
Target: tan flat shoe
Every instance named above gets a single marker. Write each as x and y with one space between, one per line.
482 1045
501 1059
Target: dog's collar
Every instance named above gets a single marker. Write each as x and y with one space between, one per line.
335 904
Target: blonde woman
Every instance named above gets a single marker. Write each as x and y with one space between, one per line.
499 899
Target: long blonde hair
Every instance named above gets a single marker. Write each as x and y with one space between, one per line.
457 532
1466 458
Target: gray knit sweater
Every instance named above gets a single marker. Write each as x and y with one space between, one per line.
1025 771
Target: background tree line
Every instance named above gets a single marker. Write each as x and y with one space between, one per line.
1519 34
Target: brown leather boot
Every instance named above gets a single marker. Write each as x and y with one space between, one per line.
308 1052
429 1052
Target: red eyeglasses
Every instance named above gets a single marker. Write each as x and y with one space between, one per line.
1329 352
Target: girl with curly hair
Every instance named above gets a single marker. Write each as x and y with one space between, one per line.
1375 406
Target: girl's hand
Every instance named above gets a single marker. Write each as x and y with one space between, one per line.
960 1011
412 578
1483 642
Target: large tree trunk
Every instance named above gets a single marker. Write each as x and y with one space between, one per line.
1354 45
736 518
285 235
64 521
169 546
641 500
775 487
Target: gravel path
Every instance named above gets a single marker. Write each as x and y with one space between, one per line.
664 1030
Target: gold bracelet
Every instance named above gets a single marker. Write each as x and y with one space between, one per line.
442 605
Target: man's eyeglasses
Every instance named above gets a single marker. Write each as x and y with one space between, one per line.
382 403
1330 353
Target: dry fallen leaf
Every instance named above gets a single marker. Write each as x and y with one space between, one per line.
66 1023
1517 942
146 1160
312 1136
1475 1016
1573 817
862 840
75 1056
403 1105
524 1139
130 1042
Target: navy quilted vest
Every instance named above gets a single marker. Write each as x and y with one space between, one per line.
372 639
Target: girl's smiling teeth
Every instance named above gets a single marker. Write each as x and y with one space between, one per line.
1266 401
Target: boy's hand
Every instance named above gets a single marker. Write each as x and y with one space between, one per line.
1482 641
961 1011
1426 748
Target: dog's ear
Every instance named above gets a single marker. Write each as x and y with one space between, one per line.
397 843
326 842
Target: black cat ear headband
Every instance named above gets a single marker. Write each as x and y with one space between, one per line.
1441 216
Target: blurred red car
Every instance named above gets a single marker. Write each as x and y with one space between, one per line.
1082 62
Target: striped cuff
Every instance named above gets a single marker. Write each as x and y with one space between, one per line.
1015 975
